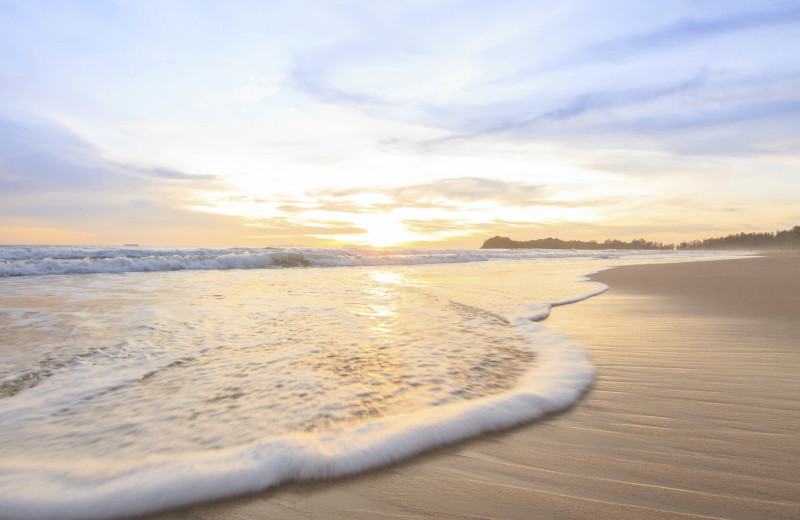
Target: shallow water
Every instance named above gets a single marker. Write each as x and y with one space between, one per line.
263 374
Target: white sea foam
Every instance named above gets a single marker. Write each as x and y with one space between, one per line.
541 311
104 488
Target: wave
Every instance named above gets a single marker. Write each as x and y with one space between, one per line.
106 488
51 260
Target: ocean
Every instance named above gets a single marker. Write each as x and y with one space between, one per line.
137 379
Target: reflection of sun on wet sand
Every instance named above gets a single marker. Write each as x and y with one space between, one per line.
694 414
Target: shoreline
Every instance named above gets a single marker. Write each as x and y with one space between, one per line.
694 414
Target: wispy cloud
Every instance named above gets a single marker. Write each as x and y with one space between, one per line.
48 174
287 227
37 157
166 173
677 35
511 121
450 192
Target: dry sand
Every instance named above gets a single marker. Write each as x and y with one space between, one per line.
695 414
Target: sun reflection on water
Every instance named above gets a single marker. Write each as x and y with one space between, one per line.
385 276
383 296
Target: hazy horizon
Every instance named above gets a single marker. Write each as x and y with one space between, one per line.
434 124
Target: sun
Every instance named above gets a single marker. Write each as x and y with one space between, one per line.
385 231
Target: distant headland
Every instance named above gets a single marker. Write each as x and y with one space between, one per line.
788 239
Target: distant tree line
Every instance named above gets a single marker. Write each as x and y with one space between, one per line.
499 242
788 239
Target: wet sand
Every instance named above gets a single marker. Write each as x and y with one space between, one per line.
695 413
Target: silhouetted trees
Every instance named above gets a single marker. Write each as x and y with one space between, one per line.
788 239
499 242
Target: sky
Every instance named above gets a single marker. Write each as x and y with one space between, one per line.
423 123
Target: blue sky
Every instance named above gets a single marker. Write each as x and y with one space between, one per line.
432 123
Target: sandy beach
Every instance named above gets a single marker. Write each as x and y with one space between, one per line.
694 414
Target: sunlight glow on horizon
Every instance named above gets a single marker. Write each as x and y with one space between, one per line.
383 231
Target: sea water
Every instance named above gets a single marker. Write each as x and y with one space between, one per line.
136 379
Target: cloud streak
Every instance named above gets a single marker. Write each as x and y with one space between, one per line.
49 175
449 192
682 33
